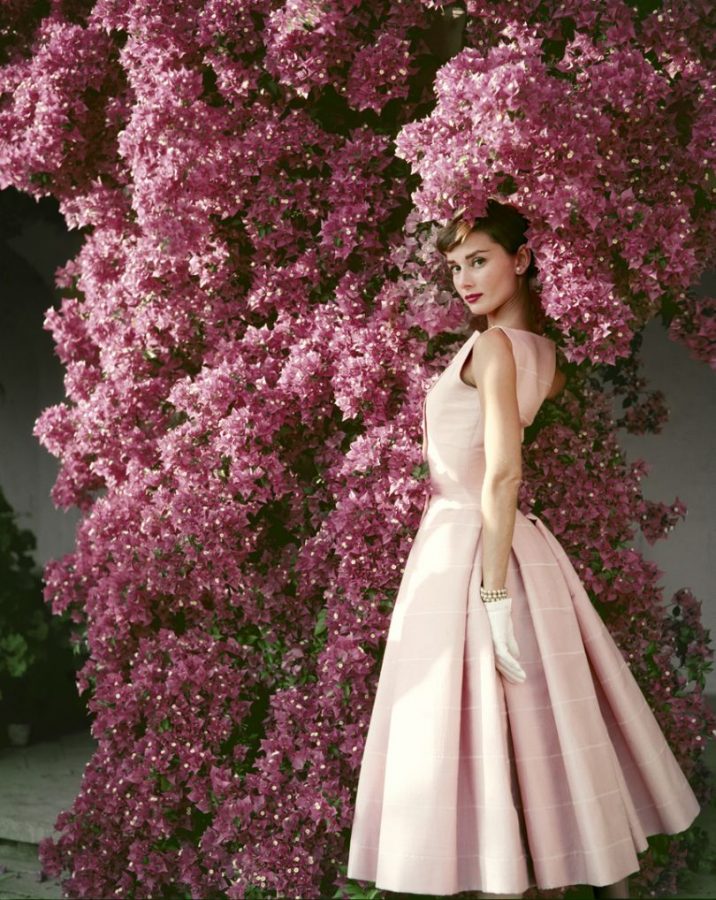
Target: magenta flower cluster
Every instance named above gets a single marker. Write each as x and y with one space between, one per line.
589 135
247 335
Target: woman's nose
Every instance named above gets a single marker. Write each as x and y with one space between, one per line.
463 281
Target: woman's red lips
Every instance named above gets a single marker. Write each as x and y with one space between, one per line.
473 296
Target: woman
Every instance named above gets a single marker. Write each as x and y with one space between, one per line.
509 745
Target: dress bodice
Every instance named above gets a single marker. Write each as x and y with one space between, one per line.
453 426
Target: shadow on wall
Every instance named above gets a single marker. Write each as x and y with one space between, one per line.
33 243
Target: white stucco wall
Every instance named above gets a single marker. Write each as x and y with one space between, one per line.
682 464
30 380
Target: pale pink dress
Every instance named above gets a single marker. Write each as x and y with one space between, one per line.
469 782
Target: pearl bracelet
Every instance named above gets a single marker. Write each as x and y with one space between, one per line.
490 596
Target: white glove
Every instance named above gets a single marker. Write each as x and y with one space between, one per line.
499 614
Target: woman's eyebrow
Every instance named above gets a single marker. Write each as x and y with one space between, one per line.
469 256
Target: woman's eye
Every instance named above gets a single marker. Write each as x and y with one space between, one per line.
477 259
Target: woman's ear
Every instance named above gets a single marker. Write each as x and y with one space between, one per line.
524 257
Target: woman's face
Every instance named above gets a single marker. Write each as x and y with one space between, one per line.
485 275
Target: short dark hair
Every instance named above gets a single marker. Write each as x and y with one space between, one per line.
503 222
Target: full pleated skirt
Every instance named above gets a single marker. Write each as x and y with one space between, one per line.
470 783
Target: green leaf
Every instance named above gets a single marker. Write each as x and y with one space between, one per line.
353 891
420 471
15 655
164 783
320 627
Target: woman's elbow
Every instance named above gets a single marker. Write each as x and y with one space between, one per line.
503 478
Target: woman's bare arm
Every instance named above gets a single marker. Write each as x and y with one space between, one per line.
494 371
